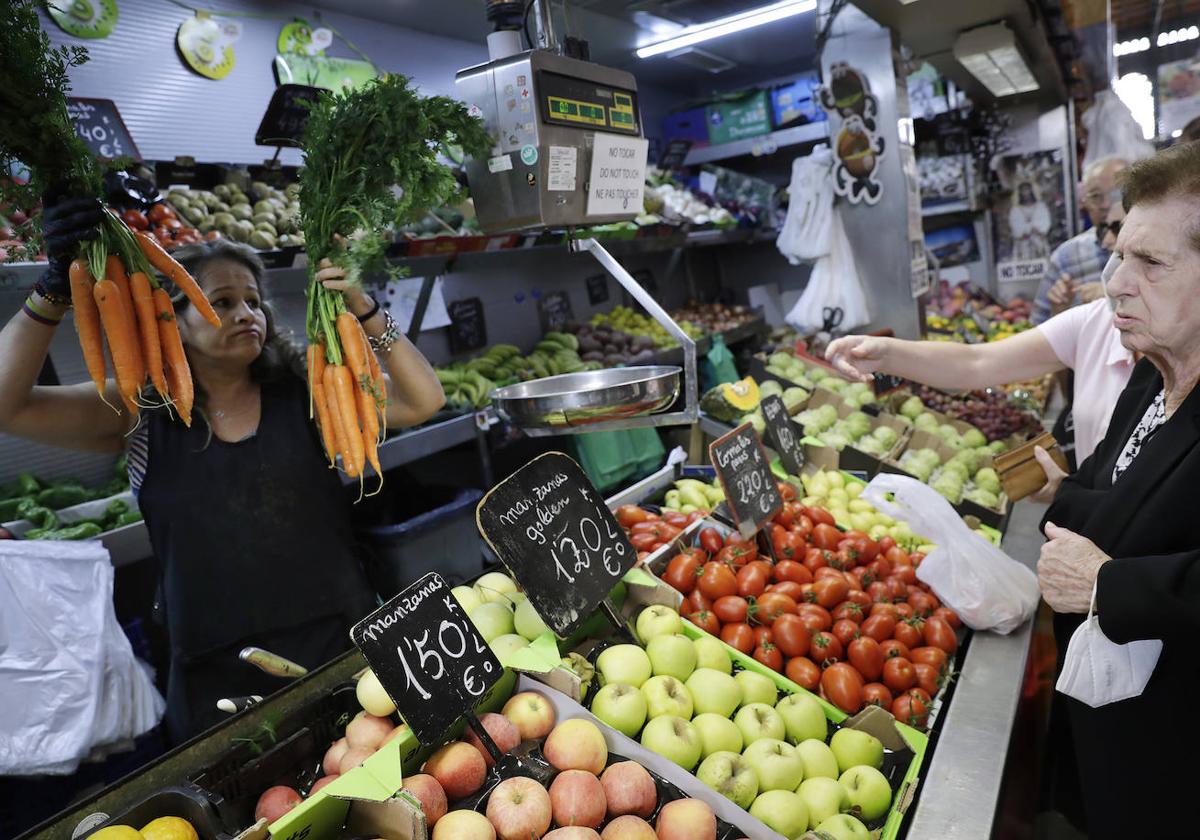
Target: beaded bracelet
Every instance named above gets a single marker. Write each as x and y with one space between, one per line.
391 333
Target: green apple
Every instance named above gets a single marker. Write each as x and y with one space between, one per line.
782 811
672 655
494 586
467 598
657 620
867 791
778 765
843 827
622 707
675 739
731 776
711 653
824 798
818 759
718 734
627 664
803 716
714 691
756 688
758 720
492 620
506 645
528 623
852 748
667 696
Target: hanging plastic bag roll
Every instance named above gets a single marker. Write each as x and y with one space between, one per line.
805 234
987 588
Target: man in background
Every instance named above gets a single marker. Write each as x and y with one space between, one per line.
1073 273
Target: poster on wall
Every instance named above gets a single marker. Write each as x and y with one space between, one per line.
299 37
1178 94
1029 213
84 19
953 245
858 145
323 72
207 45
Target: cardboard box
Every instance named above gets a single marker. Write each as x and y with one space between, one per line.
921 439
851 457
739 119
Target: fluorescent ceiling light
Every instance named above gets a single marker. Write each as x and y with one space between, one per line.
721 27
1176 36
1133 45
991 55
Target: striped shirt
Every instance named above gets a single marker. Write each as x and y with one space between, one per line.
137 457
1082 257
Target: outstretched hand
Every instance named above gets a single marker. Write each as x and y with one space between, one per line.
857 357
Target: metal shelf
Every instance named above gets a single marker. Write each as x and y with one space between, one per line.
949 209
765 144
428 440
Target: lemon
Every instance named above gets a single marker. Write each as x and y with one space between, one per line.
117 832
169 828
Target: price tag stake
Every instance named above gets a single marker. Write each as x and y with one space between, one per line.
781 432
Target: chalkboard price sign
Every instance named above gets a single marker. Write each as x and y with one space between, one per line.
782 434
99 124
746 476
428 656
675 154
558 539
885 383
467 328
555 311
287 115
597 289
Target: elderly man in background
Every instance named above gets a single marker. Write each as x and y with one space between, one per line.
1073 273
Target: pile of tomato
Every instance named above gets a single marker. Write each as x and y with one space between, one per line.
164 223
649 531
835 611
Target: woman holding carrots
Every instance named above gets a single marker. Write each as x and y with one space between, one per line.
250 526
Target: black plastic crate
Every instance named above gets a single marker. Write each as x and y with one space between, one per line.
186 801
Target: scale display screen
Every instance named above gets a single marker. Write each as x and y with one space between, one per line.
566 100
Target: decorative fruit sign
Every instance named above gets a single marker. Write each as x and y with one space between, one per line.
428 656
468 331
85 18
558 539
782 434
207 46
746 476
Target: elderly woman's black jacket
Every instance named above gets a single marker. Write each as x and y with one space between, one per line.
1149 522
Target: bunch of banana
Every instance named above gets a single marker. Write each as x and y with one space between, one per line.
556 353
466 387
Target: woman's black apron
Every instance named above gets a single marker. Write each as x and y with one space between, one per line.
255 547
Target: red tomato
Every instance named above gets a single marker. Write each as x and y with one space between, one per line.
710 540
846 631
898 674
136 219
698 601
791 570
877 694
682 572
790 588
752 579
787 490
763 635
867 548
160 213
893 649
865 654
717 580
784 520
738 636
884 608
803 672
731 609
923 604
882 568
909 633
819 516
674 519
857 596
879 627
927 678
815 618
803 526
878 592
949 616
886 544
737 554
648 526
791 636
816 558
825 648
897 555
897 589
770 656
830 591
644 542
906 573
826 536
916 557
933 656
843 686
904 610
939 634
789 546
848 611
911 708
827 572
772 605
706 621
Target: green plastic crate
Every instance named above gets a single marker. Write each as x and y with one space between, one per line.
738 119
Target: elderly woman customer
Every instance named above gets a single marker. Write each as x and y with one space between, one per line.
1123 532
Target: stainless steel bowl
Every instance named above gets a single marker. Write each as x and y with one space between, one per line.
578 399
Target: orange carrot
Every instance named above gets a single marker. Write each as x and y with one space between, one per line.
114 270
147 322
352 346
368 413
378 384
338 413
348 405
178 275
175 366
316 367
122 340
87 323
325 423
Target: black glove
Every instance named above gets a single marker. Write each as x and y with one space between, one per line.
66 222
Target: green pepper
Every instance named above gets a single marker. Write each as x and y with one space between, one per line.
35 533
81 531
41 517
115 508
128 518
28 484
59 496
9 507
120 469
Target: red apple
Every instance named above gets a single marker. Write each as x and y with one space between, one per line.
628 827
686 819
519 809
629 789
352 758
275 802
393 735
333 757
576 744
367 731
577 798
463 825
502 730
572 832
322 782
458 768
532 713
430 794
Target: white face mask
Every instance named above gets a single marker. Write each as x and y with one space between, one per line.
1097 671
1110 268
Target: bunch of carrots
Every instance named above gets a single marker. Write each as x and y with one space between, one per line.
117 298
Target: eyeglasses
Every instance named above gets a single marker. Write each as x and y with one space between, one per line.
1105 227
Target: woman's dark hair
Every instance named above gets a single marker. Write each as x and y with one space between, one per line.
280 358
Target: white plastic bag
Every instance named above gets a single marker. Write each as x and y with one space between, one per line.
833 286
987 588
805 234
